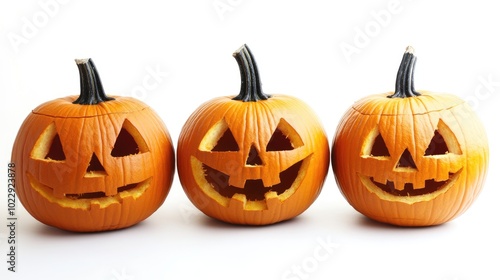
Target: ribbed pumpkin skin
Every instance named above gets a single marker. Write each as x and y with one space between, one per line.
253 124
85 130
410 123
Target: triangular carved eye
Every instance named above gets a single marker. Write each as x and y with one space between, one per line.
437 146
48 146
219 138
279 142
226 143
56 151
129 141
443 142
284 138
374 145
379 148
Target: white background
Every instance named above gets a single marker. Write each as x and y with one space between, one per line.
298 46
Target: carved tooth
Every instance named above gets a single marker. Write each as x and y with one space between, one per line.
380 179
94 206
238 201
272 200
442 176
399 185
271 195
419 184
237 182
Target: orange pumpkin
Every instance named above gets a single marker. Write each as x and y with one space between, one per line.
252 159
410 158
93 162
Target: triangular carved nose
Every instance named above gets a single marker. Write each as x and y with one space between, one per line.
95 168
406 162
253 157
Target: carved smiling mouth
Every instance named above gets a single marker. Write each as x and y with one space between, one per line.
253 189
91 199
254 195
91 195
409 194
408 190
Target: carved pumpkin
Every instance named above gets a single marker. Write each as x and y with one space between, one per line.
93 162
410 158
254 158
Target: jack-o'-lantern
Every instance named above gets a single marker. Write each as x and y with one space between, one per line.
252 159
93 162
410 158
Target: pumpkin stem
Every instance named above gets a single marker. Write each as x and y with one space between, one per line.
404 79
251 89
91 90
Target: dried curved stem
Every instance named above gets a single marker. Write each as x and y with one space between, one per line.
404 79
91 90
251 89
